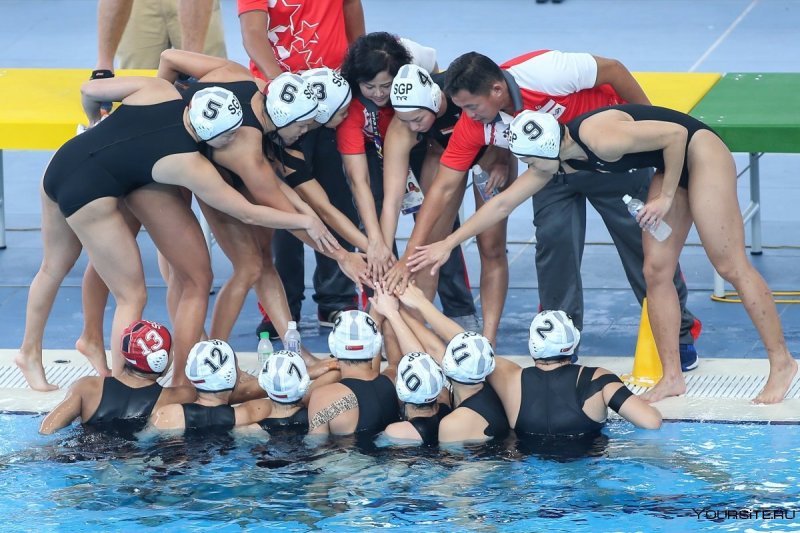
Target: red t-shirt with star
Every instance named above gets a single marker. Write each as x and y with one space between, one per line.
356 129
304 34
549 81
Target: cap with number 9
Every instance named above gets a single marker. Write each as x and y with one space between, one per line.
534 134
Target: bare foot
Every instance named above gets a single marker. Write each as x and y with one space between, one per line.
308 359
780 378
665 388
96 354
33 370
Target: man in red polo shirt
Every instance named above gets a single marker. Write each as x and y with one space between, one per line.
564 85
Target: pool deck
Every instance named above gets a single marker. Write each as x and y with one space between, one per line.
658 36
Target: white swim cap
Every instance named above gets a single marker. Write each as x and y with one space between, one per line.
413 88
553 335
284 377
331 89
468 358
355 336
214 111
211 366
419 379
533 134
290 99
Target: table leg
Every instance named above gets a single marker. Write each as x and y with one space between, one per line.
2 207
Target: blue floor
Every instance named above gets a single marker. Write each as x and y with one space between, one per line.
656 35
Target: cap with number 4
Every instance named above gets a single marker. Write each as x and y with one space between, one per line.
534 134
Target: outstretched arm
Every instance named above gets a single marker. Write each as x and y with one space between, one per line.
445 328
313 193
379 254
399 142
492 212
388 306
64 413
135 90
614 73
430 341
175 62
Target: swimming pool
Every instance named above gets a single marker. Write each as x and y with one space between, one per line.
685 477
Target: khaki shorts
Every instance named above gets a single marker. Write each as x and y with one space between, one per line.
153 28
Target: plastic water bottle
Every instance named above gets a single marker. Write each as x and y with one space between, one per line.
292 340
264 349
660 232
480 178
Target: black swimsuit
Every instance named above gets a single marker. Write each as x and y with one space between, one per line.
428 426
552 401
487 404
297 424
117 155
205 419
637 160
124 408
377 403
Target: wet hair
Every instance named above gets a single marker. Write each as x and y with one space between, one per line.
370 55
472 72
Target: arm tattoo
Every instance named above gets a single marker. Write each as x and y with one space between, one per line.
333 410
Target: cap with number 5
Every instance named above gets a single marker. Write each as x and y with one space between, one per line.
211 366
214 111
289 98
534 134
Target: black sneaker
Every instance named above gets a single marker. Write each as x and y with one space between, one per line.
328 318
267 325
689 358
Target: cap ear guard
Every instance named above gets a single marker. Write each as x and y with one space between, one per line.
413 88
211 366
468 358
419 379
289 99
146 346
331 90
284 377
534 134
214 111
553 335
355 337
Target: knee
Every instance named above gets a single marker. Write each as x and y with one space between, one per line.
731 270
133 296
249 271
198 278
657 272
492 250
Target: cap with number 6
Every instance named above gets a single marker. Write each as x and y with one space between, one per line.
289 98
534 134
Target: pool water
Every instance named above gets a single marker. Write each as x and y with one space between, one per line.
685 477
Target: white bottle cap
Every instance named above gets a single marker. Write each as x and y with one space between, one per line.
627 198
476 169
292 324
